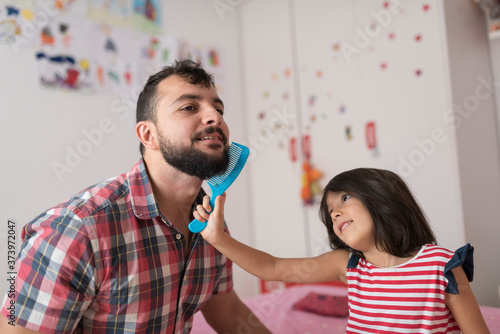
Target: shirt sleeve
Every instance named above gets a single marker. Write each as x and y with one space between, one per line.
464 256
55 274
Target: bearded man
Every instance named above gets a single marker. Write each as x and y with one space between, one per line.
119 257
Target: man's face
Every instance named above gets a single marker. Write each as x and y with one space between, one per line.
192 133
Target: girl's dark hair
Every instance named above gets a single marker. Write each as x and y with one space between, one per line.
148 99
400 226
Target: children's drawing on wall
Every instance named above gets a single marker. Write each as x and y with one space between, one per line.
155 53
146 15
63 59
62 5
14 19
63 71
103 45
213 61
115 57
113 12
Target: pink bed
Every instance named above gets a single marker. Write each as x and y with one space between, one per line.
275 310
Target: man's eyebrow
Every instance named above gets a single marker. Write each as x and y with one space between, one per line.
184 97
196 97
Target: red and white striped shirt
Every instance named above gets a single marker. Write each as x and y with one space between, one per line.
408 298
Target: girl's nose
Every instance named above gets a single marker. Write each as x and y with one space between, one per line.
335 215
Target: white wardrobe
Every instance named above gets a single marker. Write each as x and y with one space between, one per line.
399 85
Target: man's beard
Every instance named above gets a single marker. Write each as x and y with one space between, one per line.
192 161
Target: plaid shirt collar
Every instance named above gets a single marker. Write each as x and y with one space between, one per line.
141 193
142 197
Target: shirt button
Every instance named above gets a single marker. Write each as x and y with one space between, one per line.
178 236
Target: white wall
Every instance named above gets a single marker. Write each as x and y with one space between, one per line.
38 124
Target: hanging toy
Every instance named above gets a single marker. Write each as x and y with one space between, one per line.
310 185
310 176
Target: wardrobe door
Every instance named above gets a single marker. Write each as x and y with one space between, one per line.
273 125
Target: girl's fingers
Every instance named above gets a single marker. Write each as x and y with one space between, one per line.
219 204
201 212
206 203
197 216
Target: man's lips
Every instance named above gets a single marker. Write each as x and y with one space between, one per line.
344 225
219 138
212 134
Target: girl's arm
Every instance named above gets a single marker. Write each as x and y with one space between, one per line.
464 306
330 266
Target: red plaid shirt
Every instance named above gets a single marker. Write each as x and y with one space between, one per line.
106 261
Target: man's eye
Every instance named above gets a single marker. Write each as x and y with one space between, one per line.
220 111
188 108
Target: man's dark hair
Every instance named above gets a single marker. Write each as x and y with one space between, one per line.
400 226
148 99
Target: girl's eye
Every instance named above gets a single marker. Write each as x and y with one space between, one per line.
345 197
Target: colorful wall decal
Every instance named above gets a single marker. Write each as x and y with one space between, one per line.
348 133
288 73
342 109
371 137
312 100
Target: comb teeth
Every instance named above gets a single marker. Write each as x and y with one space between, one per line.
234 154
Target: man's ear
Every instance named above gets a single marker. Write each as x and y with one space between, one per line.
146 132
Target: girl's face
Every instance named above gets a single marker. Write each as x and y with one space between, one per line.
352 221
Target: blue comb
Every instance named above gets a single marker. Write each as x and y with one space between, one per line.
238 155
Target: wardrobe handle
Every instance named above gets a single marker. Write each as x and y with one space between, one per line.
306 147
293 149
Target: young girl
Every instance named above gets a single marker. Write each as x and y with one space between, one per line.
398 279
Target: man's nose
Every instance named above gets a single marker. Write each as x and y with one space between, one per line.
211 116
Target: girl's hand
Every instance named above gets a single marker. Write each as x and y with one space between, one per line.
215 225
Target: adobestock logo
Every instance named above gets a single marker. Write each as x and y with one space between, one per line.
455 117
266 135
124 107
223 6
74 156
363 37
